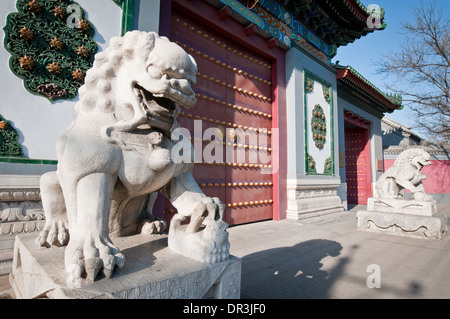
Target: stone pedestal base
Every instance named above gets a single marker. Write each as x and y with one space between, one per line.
151 271
314 208
402 206
312 202
20 206
403 217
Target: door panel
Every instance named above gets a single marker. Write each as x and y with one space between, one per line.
233 90
357 165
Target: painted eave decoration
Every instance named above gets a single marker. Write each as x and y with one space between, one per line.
317 26
336 22
51 46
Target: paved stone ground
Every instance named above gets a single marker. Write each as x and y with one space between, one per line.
290 259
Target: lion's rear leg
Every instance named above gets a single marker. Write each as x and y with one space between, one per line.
151 224
55 230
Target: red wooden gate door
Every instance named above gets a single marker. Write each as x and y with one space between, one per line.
357 165
233 91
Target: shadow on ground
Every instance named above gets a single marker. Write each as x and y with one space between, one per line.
292 272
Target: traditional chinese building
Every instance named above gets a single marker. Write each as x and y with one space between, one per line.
263 67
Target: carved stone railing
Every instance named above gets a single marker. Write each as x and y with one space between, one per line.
20 212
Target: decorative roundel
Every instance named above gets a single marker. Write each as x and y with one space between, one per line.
318 126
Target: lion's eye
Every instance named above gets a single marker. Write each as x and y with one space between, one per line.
175 85
154 72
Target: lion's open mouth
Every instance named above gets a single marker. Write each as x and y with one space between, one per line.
159 110
423 163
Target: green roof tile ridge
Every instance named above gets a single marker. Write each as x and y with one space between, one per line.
394 98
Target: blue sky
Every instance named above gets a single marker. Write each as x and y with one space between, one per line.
364 52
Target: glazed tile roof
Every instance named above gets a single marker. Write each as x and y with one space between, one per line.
353 79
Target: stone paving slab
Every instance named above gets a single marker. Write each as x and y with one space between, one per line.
288 259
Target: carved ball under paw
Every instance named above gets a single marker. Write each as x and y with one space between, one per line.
207 242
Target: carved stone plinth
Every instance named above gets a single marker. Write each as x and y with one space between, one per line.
403 217
152 271
20 212
307 202
411 207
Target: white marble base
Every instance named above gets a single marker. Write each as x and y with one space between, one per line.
403 217
20 206
312 201
151 271
402 206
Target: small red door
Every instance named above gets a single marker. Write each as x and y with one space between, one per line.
357 165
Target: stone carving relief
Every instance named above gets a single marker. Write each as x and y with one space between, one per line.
205 239
119 149
20 212
20 208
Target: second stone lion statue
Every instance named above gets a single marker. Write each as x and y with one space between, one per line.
406 173
118 149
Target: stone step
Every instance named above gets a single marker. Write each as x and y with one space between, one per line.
330 218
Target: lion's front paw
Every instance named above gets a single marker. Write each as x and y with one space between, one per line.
88 254
55 233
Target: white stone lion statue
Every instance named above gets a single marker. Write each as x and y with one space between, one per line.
406 173
118 150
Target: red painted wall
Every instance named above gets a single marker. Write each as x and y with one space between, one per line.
438 176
